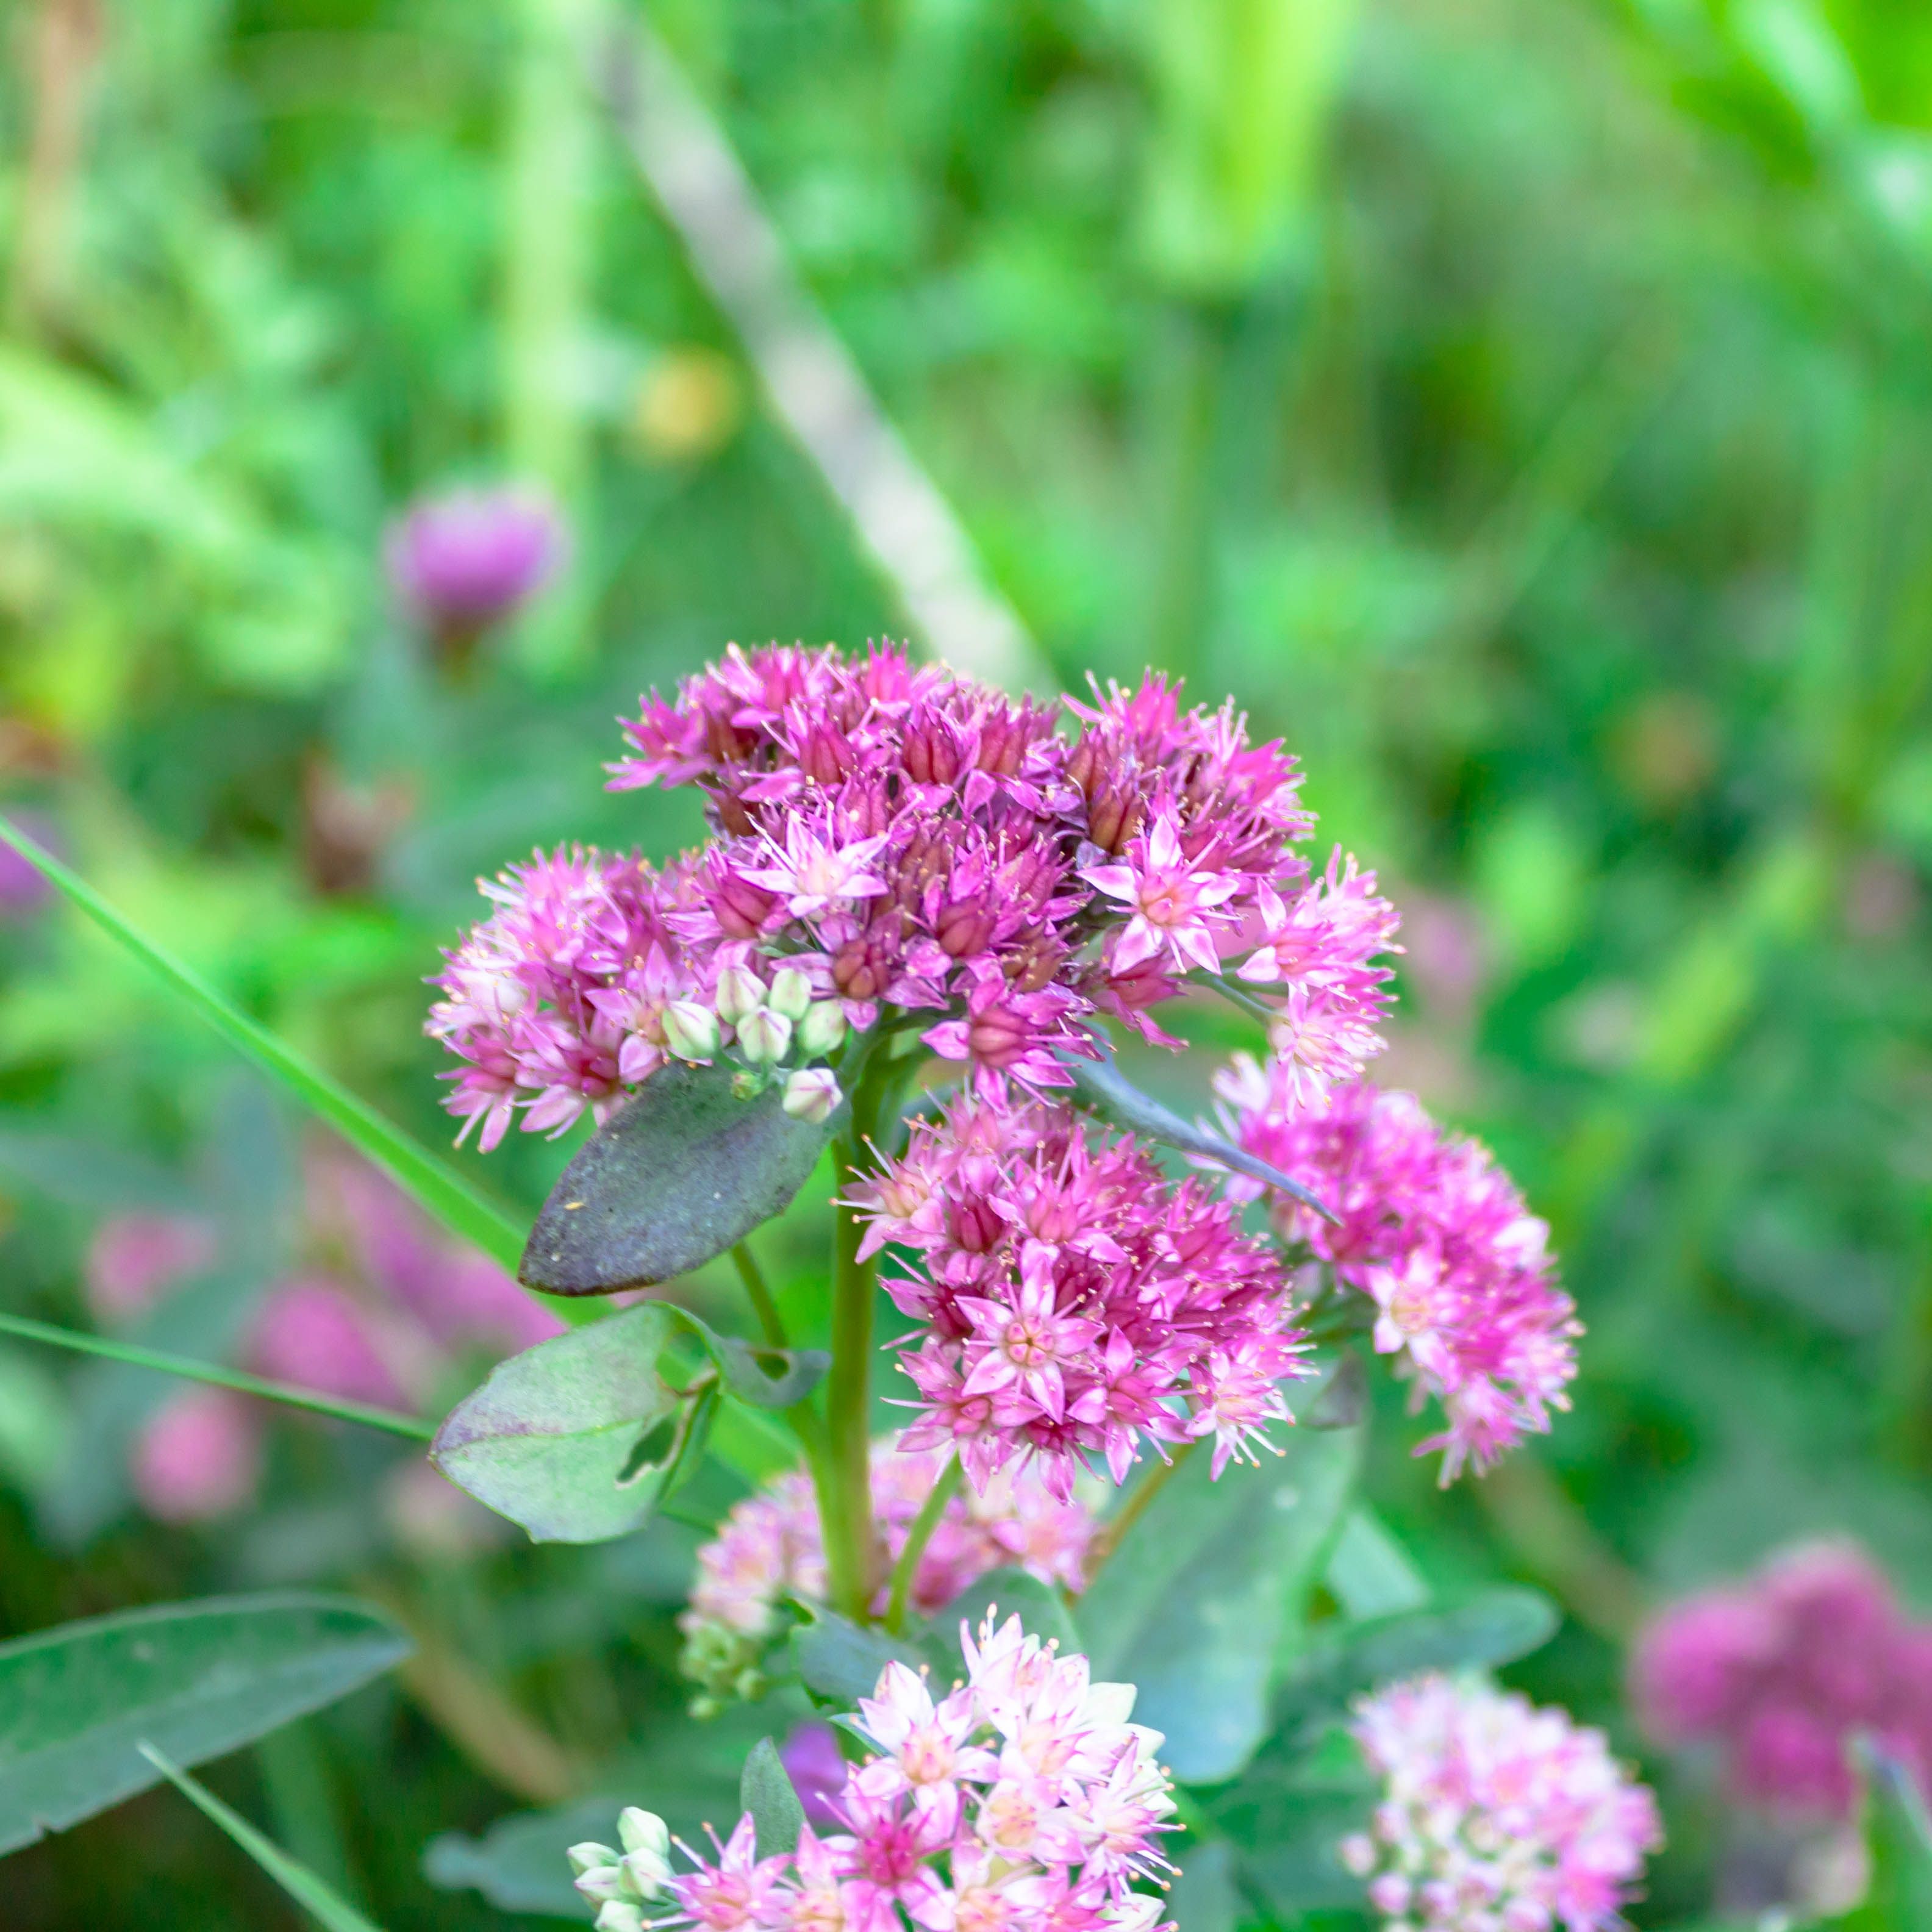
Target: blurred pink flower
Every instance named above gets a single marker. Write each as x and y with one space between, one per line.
198 1457
311 1332
134 1259
468 559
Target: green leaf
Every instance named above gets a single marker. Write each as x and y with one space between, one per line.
1493 1628
575 1438
679 1173
300 1883
196 1679
1042 1611
435 1187
1107 1091
766 1791
1286 1820
1192 1605
765 1377
1899 1840
838 1661
1369 1572
1204 1897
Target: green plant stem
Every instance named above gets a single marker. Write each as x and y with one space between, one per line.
844 1480
917 1537
1113 1531
415 1428
766 1310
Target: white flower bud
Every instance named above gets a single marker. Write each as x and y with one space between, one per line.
647 1840
690 1031
764 1036
619 1916
602 1883
811 1094
590 1856
740 991
822 1028
791 993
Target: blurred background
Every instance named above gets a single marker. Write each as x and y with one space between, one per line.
1524 405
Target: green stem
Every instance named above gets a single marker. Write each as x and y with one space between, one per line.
414 1427
844 1481
917 1537
753 1276
1113 1530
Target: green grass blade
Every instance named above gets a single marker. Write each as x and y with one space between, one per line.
300 1883
439 1192
414 1427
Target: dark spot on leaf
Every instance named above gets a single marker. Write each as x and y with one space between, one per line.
651 1450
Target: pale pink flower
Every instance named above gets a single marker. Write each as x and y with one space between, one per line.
1177 911
197 1457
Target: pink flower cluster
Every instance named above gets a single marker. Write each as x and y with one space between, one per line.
1495 1816
380 1305
914 841
1780 1672
1436 1234
1024 1801
769 1546
1075 1303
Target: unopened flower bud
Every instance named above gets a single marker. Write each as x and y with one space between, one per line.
589 1857
690 1031
740 993
811 1094
764 1036
603 1883
822 1028
791 993
641 1831
617 1915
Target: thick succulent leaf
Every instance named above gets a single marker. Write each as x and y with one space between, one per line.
1193 1604
1286 1820
1492 1627
1369 1572
194 1679
574 1438
766 1791
765 1377
334 1913
1102 1086
679 1173
1039 1607
838 1661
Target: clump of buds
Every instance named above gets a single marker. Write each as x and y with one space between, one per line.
621 1883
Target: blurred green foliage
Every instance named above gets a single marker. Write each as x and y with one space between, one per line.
1524 405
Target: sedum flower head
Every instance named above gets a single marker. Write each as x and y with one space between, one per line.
1435 1235
1024 1800
769 1547
1495 1816
888 839
1780 1673
1075 1304
468 559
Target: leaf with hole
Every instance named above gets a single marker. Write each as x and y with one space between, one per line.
1105 1089
1193 1604
680 1172
766 1792
766 1378
195 1679
333 1913
576 1438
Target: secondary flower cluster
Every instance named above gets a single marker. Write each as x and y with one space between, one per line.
914 841
1024 1801
1495 1816
1780 1672
1075 1302
770 1547
1438 1237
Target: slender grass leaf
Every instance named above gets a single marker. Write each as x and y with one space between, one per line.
196 1679
436 1188
1192 1605
301 1884
1105 1089
766 1791
1898 1839
678 1174
414 1427
572 1438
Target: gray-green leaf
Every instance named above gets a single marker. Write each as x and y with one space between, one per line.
196 1679
679 1173
1105 1088
1039 1605
1192 1605
766 1791
837 1660
572 1438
